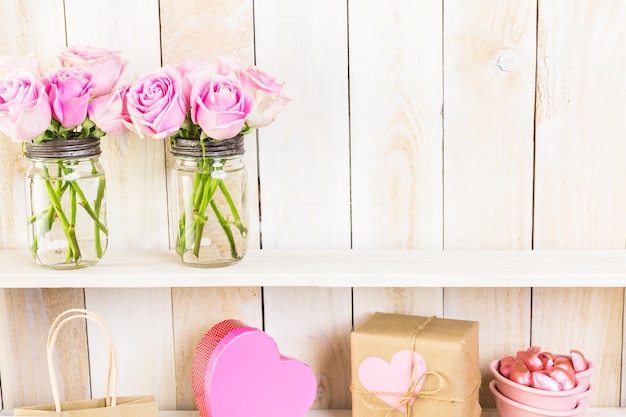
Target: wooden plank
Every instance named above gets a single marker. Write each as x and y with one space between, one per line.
489 58
396 163
304 179
13 231
195 29
135 170
140 323
304 159
25 319
580 181
196 310
413 301
315 329
32 28
27 27
134 167
396 93
504 324
574 313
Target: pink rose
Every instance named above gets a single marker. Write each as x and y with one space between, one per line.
184 69
219 105
24 108
254 79
269 100
265 109
69 90
156 103
193 71
110 113
106 67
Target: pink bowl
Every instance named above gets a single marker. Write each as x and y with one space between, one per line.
509 408
583 401
534 397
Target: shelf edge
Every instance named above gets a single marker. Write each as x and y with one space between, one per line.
332 268
591 412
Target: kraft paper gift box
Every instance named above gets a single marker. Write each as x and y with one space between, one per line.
415 366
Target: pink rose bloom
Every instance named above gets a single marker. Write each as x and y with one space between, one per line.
110 113
219 105
184 69
156 103
24 108
106 67
269 100
193 71
69 90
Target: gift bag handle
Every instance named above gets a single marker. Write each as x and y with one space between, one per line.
59 322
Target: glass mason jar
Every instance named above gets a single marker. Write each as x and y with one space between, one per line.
210 212
66 203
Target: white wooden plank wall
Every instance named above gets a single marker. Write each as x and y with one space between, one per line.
33 28
305 180
414 124
194 30
489 75
396 96
580 180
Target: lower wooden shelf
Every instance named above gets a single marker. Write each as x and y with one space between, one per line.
591 412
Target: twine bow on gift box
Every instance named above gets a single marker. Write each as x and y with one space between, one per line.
408 397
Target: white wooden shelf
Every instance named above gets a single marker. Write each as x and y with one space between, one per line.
591 412
333 268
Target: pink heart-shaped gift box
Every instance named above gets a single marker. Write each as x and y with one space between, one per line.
239 372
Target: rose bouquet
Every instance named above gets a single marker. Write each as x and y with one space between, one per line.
207 106
58 115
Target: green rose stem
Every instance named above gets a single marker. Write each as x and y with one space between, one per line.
72 220
97 206
69 232
225 225
204 188
77 196
85 204
199 214
236 219
48 216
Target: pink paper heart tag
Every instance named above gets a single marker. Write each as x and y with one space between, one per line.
385 379
245 375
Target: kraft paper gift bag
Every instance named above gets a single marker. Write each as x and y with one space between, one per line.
107 406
